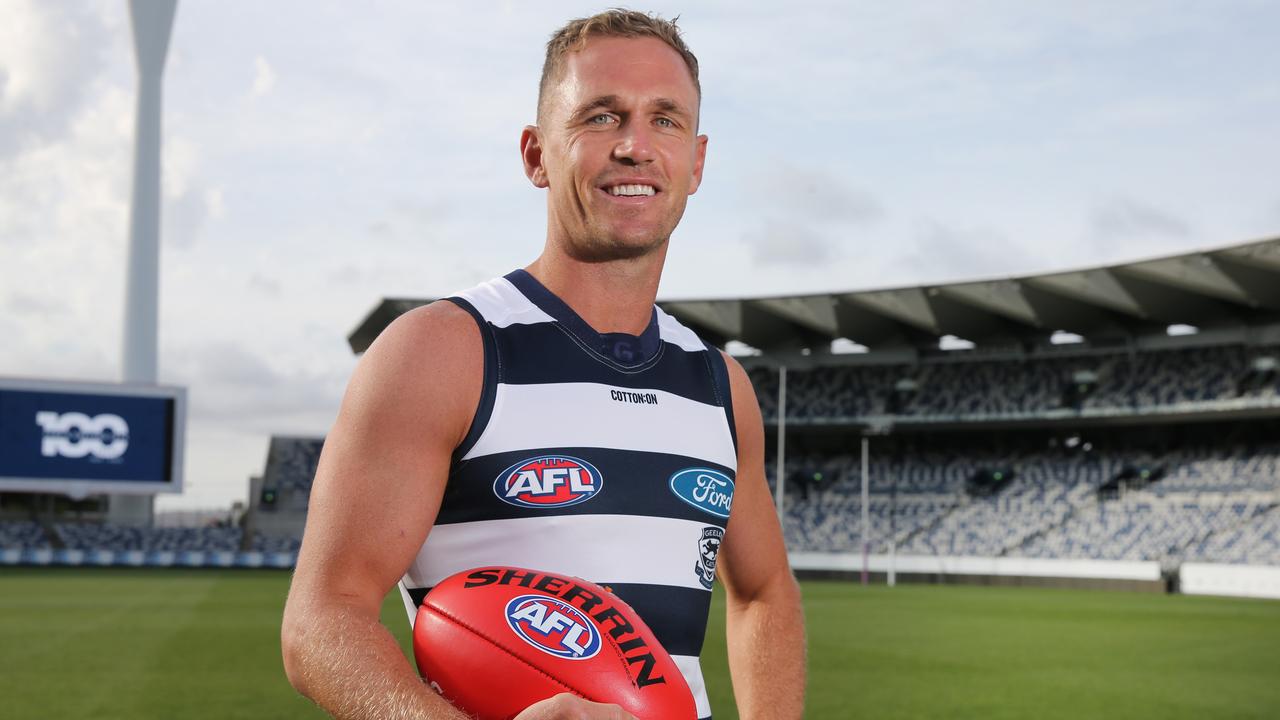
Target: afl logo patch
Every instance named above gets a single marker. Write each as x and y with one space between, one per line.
710 491
553 626
550 481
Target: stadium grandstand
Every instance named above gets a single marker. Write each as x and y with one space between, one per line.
1122 414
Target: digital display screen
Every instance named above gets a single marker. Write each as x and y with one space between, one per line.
117 437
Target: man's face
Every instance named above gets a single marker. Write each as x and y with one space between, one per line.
617 148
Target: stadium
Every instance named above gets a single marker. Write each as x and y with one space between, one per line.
1104 415
1132 453
1052 494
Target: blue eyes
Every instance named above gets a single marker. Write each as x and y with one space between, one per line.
605 119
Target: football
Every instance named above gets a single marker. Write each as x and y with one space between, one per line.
494 640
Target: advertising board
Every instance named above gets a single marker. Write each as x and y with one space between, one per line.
77 439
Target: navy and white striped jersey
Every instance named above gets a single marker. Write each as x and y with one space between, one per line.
610 457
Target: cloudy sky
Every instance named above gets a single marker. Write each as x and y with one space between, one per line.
319 156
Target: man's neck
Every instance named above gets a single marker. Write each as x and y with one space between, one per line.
612 296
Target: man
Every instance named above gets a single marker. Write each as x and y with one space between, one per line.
566 366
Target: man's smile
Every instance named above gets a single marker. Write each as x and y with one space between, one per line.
630 191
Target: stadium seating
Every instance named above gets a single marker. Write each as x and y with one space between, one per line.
1167 492
1200 495
102 536
1256 542
1210 502
274 543
23 535
973 388
1145 526
1040 497
291 467
1221 469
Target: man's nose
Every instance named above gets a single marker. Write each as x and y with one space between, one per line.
635 146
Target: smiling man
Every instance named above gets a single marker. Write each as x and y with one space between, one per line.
555 418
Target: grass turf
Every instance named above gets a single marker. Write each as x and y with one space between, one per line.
114 643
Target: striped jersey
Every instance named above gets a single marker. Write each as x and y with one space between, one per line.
607 456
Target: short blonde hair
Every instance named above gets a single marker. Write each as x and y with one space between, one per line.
616 22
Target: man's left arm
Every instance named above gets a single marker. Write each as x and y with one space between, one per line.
764 618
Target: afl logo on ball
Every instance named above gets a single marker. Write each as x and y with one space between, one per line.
550 481
553 626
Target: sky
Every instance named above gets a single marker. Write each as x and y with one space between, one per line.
320 156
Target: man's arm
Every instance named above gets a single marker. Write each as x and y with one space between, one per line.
376 494
375 497
764 619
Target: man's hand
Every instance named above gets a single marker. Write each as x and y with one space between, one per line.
567 706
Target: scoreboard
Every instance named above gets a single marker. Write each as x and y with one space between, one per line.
78 439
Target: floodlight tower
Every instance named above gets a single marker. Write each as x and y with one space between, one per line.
152 22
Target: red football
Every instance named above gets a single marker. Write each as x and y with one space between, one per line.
495 640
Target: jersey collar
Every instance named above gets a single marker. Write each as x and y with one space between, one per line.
619 348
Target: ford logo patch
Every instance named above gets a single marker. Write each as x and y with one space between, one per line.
710 491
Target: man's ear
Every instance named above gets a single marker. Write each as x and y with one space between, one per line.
699 159
531 153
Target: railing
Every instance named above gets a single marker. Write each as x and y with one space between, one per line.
1230 405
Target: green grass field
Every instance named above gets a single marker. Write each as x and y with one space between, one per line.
110 643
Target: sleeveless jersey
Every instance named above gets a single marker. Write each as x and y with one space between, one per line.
610 457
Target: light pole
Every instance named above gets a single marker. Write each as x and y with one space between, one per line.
152 22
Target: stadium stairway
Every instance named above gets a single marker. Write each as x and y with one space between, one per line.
1043 532
929 527
1269 511
51 536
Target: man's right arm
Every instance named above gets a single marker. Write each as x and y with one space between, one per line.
375 497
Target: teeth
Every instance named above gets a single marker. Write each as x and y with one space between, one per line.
631 190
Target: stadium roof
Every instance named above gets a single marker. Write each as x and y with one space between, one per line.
1235 287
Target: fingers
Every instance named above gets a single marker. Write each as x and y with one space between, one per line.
567 706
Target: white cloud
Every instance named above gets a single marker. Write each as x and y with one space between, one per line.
805 213
814 194
264 77
938 250
265 285
1121 218
63 219
47 52
786 243
215 204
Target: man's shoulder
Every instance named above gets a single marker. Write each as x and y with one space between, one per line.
430 324
428 347
424 369
738 376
